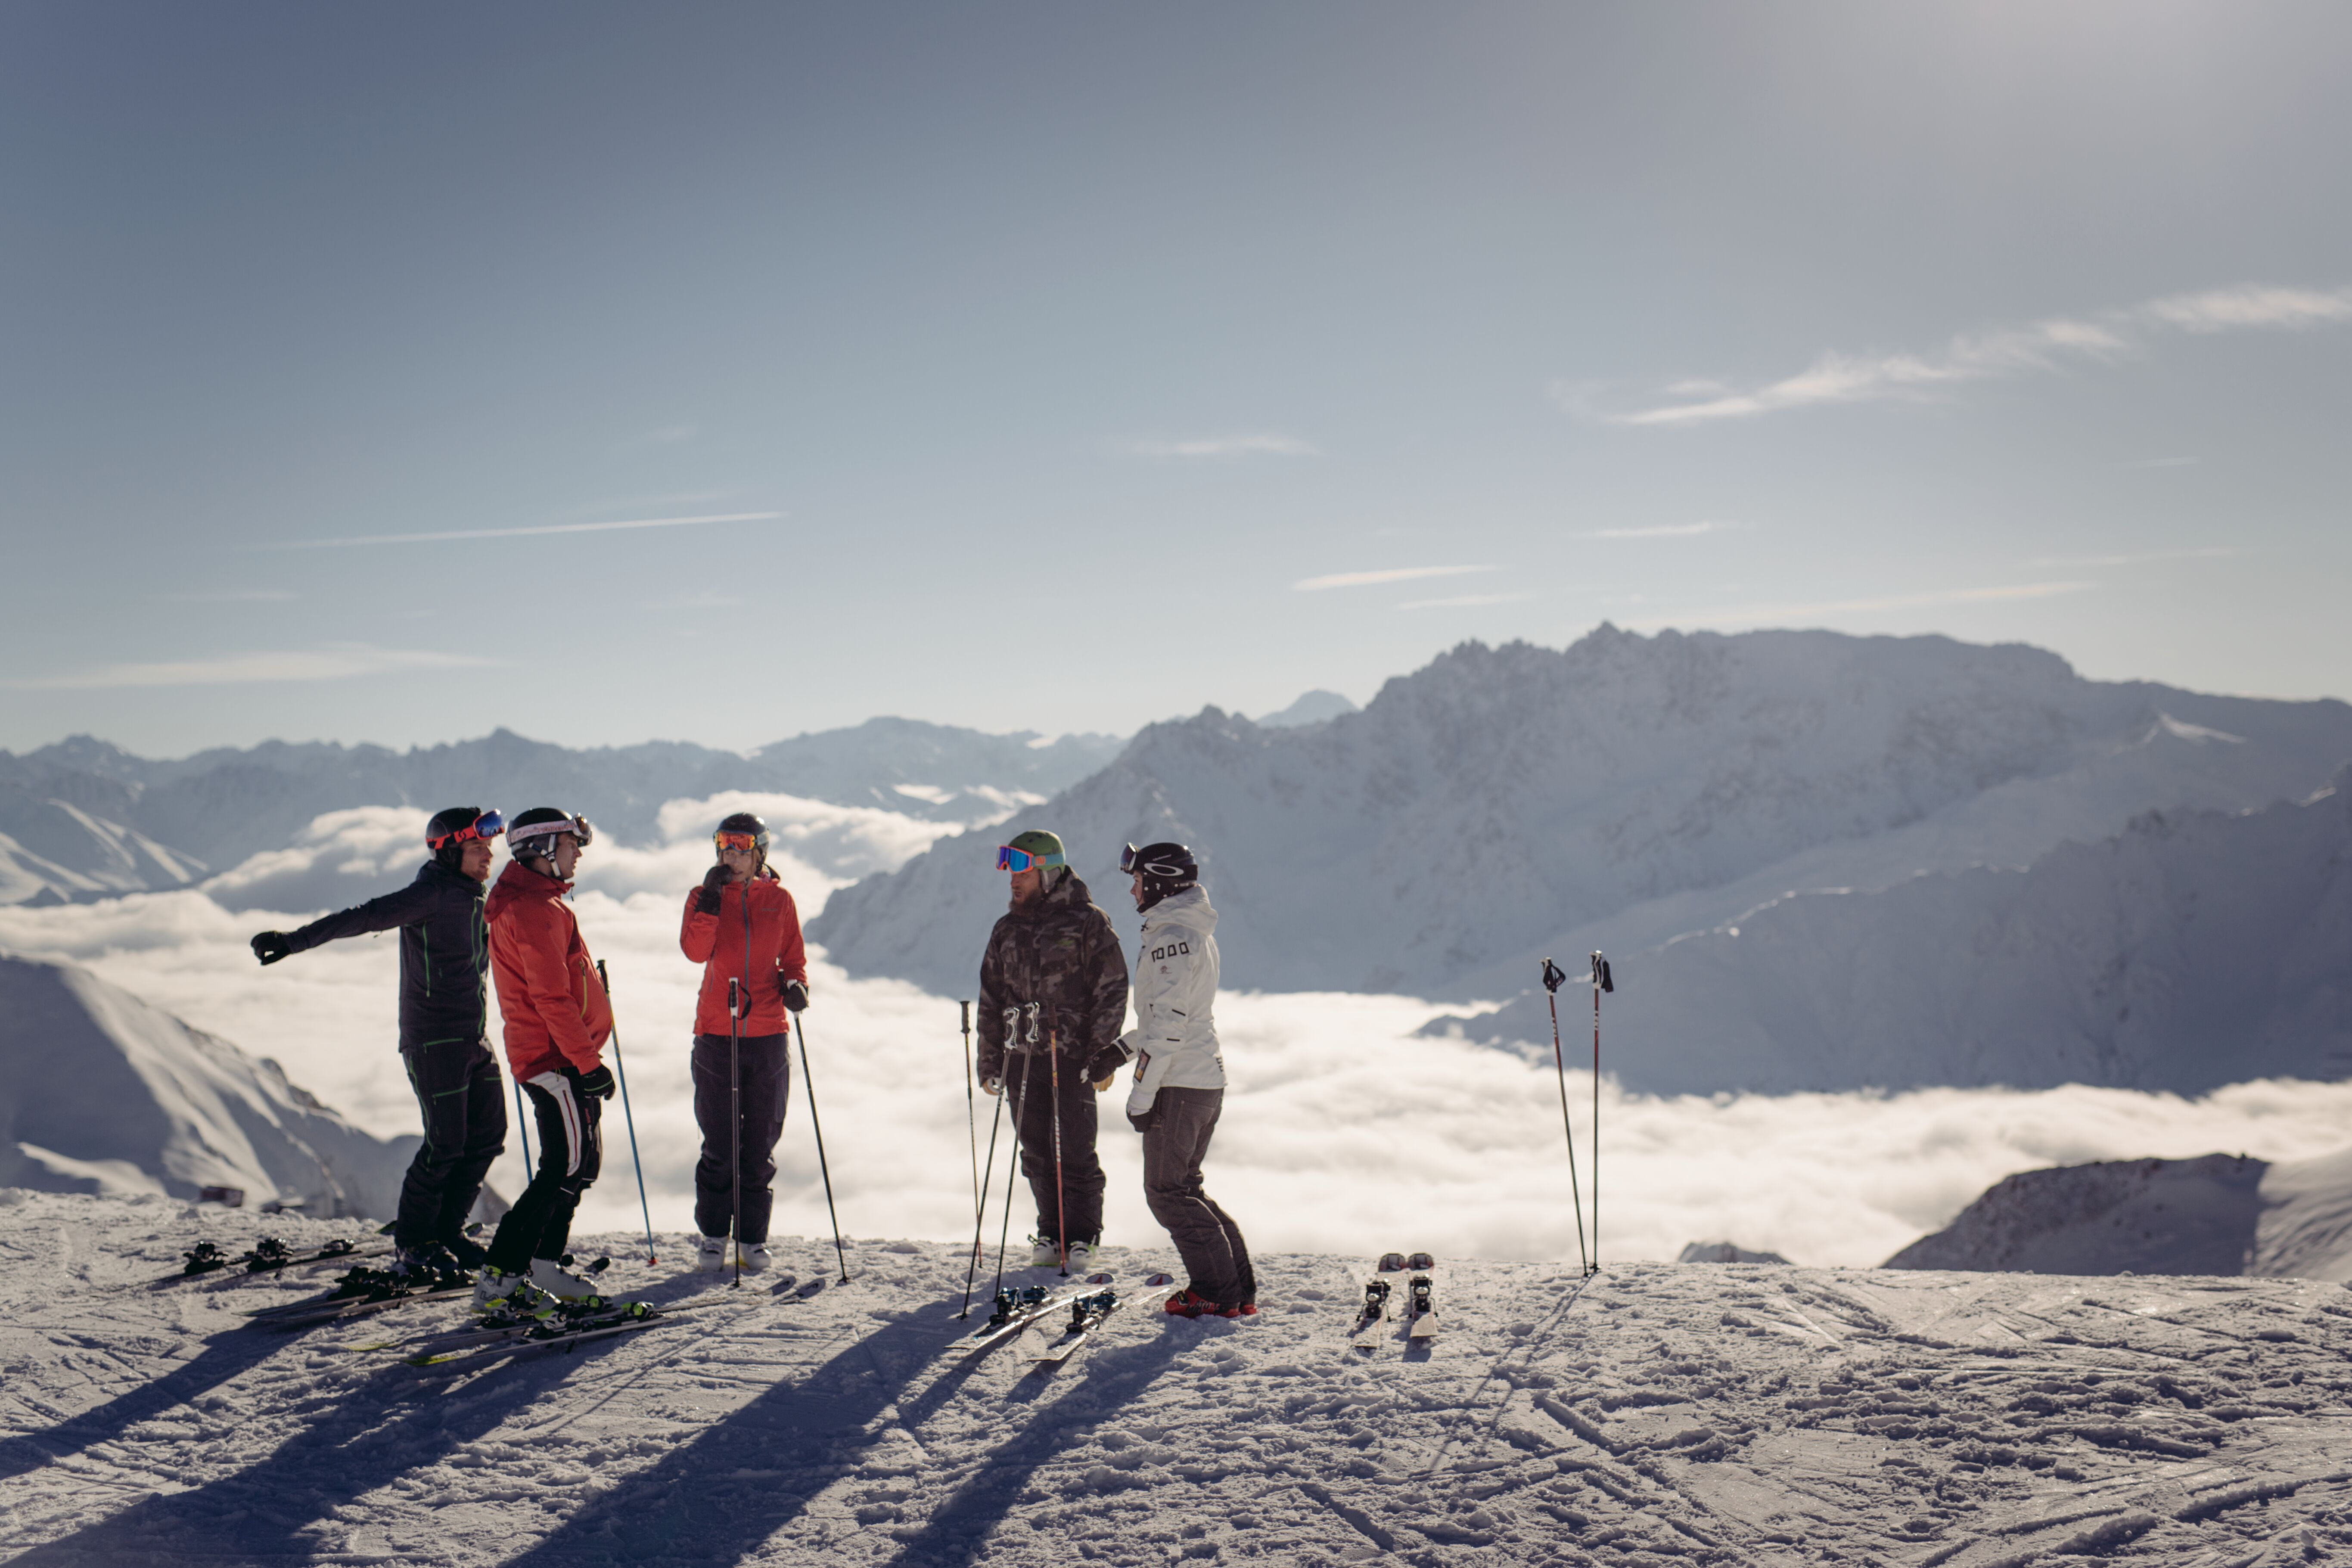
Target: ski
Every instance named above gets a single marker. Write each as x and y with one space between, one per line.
547 1335
559 1323
1374 1313
1016 1310
359 1293
1087 1315
269 1256
1421 1313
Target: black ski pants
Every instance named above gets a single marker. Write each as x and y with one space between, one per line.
1207 1239
570 1152
1077 1201
765 1089
463 1099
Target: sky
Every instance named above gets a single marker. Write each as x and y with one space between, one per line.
718 373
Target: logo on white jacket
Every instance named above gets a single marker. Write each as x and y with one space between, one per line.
1172 949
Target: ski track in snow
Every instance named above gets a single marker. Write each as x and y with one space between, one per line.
1663 1414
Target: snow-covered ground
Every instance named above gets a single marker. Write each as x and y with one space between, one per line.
1666 1413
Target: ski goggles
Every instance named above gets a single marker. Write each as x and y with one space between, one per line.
577 826
1008 859
749 843
490 825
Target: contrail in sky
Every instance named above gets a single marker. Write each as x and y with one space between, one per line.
522 532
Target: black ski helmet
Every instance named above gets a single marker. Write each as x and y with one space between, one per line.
1165 868
447 834
744 821
535 831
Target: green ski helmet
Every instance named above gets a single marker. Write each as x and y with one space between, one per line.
1034 847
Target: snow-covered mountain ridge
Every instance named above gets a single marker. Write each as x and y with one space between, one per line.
1663 1414
101 1093
1501 803
2194 949
84 819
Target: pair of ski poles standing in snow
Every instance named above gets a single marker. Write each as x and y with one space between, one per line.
1012 1030
1554 977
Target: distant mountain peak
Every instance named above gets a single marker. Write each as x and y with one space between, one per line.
1314 707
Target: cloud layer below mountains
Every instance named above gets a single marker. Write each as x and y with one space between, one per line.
1343 1132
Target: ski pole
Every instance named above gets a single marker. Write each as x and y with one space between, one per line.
1013 1167
735 1120
1601 981
1552 976
629 1118
522 1126
979 1219
970 1117
808 1086
1061 1198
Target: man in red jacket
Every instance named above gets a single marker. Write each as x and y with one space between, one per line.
741 925
557 1021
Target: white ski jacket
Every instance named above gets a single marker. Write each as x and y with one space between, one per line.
1174 1041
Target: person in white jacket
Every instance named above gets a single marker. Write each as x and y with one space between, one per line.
1180 1079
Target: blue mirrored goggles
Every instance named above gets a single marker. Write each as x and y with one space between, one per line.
490 825
1008 859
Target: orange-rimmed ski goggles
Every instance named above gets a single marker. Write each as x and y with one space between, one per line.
490 825
750 842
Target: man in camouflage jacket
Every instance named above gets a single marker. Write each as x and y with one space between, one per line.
1054 947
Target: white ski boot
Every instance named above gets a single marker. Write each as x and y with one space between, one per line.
757 1258
1044 1252
559 1281
1082 1255
495 1289
710 1254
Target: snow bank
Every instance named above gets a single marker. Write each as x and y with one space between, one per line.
2221 1214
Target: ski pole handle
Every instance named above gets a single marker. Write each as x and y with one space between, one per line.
966 1006
604 979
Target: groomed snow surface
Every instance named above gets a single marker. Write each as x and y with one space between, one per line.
1667 1414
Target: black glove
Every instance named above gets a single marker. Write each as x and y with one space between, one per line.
271 945
795 993
597 1084
712 880
1105 1063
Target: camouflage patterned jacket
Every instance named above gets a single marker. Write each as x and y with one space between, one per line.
1060 950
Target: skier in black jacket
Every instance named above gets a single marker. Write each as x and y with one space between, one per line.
1055 948
443 1032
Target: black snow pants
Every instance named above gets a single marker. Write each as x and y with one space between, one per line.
766 1089
1074 1211
462 1098
1206 1237
570 1152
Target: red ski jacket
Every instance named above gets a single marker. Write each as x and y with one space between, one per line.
556 1010
717 942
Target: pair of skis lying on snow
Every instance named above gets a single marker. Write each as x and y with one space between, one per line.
1420 1305
1090 1300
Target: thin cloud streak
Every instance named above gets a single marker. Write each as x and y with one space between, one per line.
1373 579
2044 345
231 596
337 662
522 532
1663 531
2064 561
1264 446
1465 602
1758 614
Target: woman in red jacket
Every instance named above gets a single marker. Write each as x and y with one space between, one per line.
741 925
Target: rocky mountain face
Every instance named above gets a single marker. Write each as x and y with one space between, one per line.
2192 950
101 1093
84 819
1503 803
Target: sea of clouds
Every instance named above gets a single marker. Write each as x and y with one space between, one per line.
1343 1132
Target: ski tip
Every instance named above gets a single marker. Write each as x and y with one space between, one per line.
785 1284
811 1289
1159 1281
